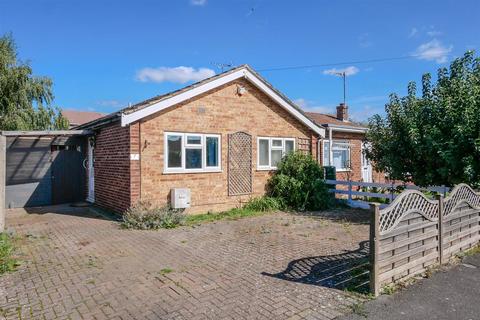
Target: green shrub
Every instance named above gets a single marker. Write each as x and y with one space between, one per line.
264 204
144 216
7 261
299 184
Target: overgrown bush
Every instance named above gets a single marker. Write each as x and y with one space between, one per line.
264 204
299 184
144 216
7 261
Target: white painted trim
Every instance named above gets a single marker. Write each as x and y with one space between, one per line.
244 72
202 146
346 129
270 148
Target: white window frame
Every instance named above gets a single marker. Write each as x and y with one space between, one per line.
349 157
202 146
270 148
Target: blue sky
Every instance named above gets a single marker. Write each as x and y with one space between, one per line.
102 55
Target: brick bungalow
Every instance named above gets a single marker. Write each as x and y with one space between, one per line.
221 138
343 147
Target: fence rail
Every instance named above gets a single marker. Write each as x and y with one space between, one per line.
415 232
391 188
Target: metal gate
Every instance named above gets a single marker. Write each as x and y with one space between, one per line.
239 163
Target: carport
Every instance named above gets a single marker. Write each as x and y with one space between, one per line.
39 168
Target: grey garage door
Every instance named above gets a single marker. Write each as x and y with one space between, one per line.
43 171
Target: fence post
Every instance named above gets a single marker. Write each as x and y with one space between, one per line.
440 228
374 247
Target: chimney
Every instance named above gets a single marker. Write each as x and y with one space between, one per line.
342 112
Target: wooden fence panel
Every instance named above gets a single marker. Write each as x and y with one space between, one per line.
414 233
408 249
461 218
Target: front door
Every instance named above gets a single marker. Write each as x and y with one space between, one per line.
68 174
366 166
91 174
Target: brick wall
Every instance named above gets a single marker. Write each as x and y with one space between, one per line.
221 111
355 174
112 167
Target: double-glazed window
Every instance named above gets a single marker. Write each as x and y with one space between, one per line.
192 152
271 150
340 154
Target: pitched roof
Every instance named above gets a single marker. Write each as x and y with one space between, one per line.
77 118
330 120
161 102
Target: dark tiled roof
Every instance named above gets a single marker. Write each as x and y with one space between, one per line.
76 117
328 119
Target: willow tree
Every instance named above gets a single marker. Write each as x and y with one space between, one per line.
434 138
25 99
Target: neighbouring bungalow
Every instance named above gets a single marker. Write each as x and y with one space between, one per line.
343 147
212 145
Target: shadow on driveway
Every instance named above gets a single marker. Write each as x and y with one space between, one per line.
87 211
345 271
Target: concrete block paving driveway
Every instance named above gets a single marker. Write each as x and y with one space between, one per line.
79 265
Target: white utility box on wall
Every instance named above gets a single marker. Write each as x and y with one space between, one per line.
180 198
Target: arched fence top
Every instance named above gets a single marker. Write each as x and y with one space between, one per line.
408 202
462 193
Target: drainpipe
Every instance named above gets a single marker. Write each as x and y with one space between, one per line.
330 142
319 148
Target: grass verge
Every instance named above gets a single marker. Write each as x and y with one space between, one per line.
8 262
232 214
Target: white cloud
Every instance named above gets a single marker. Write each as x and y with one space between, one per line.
349 71
179 74
198 2
310 106
413 33
433 50
108 103
362 114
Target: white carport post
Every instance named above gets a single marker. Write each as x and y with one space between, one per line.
3 149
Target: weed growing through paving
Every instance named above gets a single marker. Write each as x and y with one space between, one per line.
359 309
165 271
8 262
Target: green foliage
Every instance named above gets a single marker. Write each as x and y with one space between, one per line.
264 204
232 214
25 100
144 216
298 183
7 261
433 139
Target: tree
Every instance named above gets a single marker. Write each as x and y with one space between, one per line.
25 100
433 139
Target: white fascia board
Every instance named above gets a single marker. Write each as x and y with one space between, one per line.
347 129
159 106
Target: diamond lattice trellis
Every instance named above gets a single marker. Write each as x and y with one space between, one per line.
239 163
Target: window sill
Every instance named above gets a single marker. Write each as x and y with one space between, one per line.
193 171
266 169
343 170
